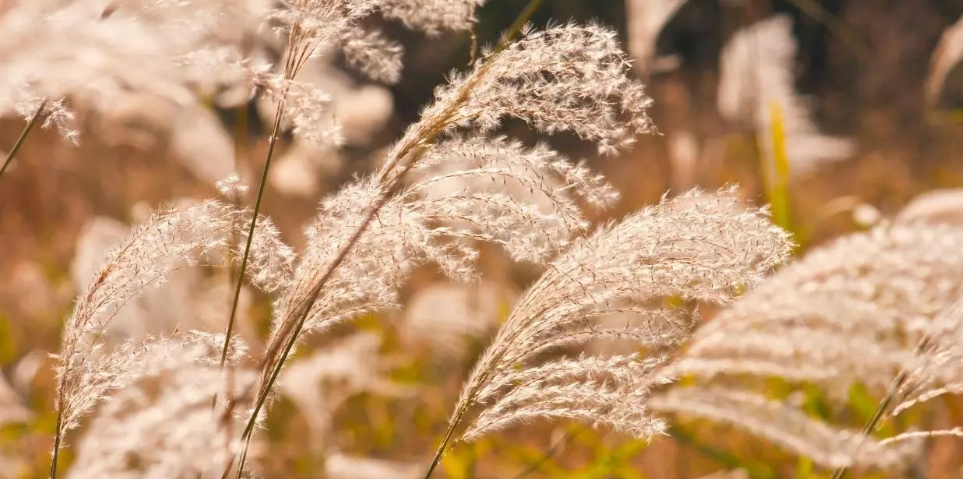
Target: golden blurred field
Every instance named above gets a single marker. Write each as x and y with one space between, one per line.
862 66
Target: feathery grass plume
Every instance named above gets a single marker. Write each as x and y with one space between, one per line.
935 368
540 175
646 19
156 310
756 74
31 123
306 107
881 287
851 312
565 79
433 16
167 431
406 234
695 247
932 372
96 378
313 27
187 299
375 56
186 236
948 53
12 409
940 206
96 57
55 114
785 425
196 234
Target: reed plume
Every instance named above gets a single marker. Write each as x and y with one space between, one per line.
948 53
757 82
695 247
853 312
169 430
196 234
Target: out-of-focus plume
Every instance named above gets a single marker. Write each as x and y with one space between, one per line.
343 466
936 207
433 16
646 18
851 312
322 382
785 425
170 430
757 79
12 409
202 145
302 170
948 53
95 60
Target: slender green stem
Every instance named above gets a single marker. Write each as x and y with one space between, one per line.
443 446
878 416
272 142
250 232
519 23
567 438
23 136
304 309
891 395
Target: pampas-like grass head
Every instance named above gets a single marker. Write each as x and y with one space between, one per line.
696 247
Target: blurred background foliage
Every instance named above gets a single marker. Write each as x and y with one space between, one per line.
862 63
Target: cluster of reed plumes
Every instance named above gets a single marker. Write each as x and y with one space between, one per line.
880 308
